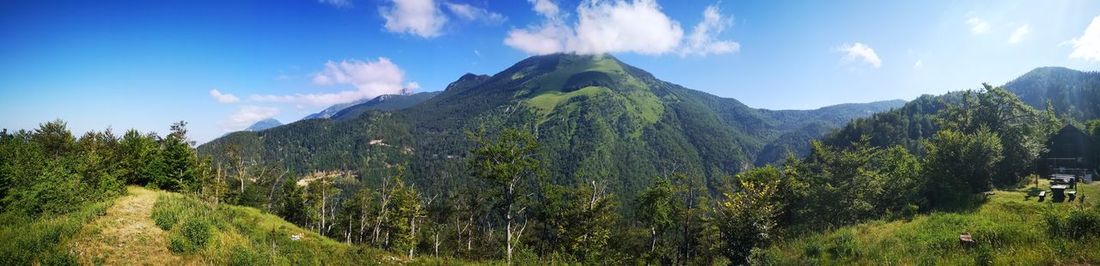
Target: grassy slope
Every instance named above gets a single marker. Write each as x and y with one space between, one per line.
1009 229
546 102
41 240
131 233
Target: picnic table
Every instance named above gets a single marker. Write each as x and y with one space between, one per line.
1042 195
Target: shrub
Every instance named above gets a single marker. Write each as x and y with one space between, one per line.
197 231
179 244
1055 226
243 256
163 217
842 245
1082 223
60 257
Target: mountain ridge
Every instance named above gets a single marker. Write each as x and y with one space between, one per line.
596 118
264 125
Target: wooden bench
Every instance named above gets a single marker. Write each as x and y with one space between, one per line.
1042 195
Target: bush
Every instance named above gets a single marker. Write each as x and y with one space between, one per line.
1055 227
1083 223
60 257
163 217
179 244
243 256
197 231
842 245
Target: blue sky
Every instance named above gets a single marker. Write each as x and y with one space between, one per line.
221 65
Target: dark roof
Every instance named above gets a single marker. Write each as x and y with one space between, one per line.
1070 142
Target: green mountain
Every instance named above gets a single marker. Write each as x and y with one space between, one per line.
596 118
1072 93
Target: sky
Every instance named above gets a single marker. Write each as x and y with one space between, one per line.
222 65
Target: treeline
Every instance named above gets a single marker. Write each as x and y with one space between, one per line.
49 171
52 182
984 139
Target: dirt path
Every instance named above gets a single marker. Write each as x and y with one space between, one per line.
126 235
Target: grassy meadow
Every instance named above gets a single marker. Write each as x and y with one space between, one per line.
1009 228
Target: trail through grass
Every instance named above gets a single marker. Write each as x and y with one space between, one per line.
126 235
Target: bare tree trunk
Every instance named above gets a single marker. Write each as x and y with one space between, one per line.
653 239
271 193
381 211
412 224
508 232
347 231
435 252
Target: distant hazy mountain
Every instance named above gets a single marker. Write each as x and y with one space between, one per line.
389 102
596 118
332 110
264 124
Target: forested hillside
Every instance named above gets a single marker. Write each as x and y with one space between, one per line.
1070 92
597 119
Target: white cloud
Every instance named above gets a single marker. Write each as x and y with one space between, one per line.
1019 34
977 25
862 52
550 37
919 64
546 8
1087 46
619 26
223 97
472 13
417 17
370 79
637 26
359 73
336 3
702 41
246 116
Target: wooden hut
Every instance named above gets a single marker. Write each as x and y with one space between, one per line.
1070 151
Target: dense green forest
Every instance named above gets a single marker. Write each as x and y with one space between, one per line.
598 119
603 166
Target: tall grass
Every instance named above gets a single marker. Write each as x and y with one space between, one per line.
1009 230
25 241
233 235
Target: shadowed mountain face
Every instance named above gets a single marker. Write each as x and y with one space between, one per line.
595 118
